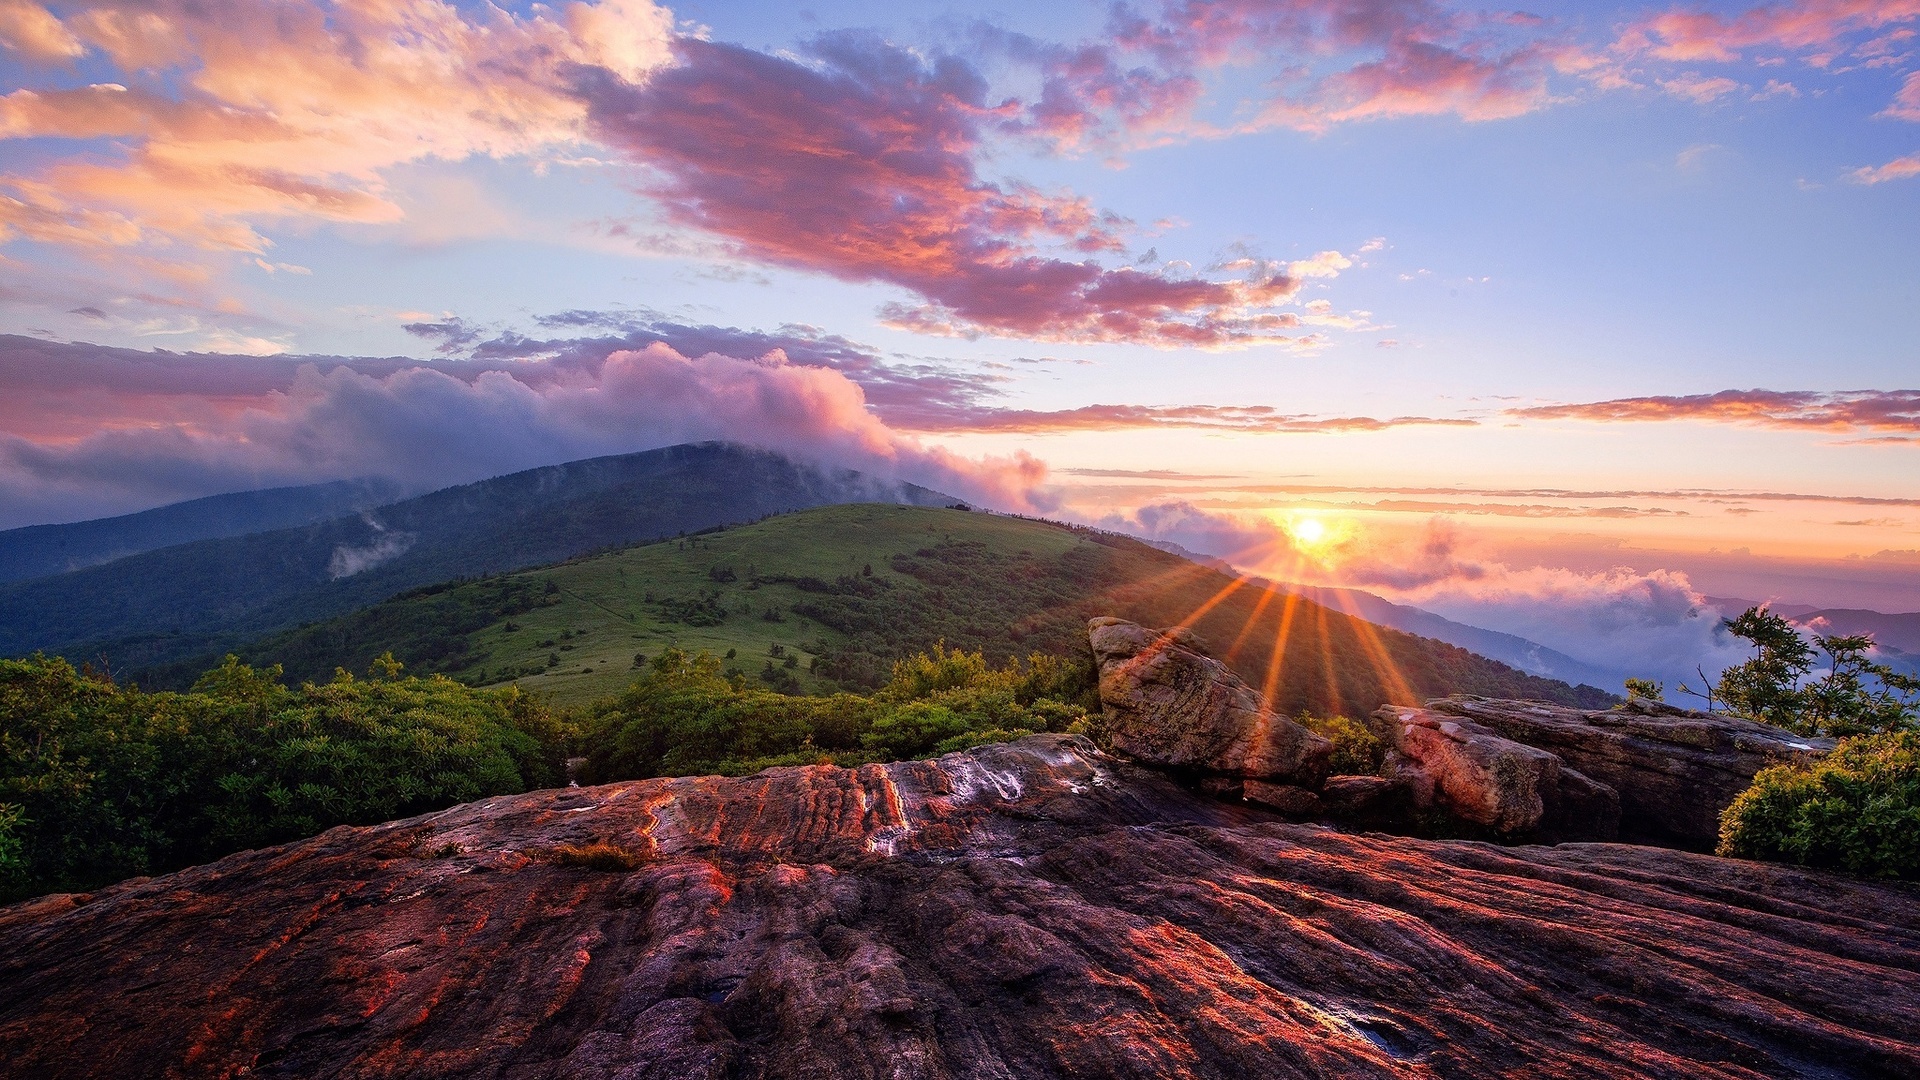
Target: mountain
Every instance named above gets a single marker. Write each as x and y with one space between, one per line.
1509 649
211 594
1895 631
40 550
1731 606
841 592
1033 909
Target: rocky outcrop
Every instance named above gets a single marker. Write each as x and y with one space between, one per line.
1467 770
1517 771
1470 773
1033 909
1165 702
1673 770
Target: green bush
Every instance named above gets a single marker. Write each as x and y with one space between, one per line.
1356 751
108 781
12 866
687 716
1857 809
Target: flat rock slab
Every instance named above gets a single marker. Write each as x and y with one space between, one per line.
1033 909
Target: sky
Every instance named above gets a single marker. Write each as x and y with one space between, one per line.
1560 320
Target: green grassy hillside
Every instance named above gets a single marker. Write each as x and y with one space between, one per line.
183 602
829 598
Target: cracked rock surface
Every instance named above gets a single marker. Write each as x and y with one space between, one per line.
1031 909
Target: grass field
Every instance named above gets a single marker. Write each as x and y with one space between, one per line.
584 621
624 603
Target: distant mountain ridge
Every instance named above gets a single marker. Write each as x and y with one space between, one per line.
188 599
1896 635
44 550
1510 649
1890 630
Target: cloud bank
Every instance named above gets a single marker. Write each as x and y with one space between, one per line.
141 429
926 396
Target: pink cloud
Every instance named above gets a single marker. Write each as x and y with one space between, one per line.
1350 61
236 112
1244 541
1858 410
920 396
863 168
1251 418
1090 92
1900 168
1818 25
1906 104
1698 88
1341 61
145 428
32 31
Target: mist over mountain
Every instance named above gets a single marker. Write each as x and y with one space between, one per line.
188 599
43 550
1510 649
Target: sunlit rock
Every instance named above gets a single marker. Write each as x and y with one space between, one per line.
1165 702
1467 770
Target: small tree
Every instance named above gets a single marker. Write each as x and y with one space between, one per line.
1855 696
1767 687
1858 696
1645 689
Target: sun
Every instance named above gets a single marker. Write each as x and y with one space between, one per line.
1309 539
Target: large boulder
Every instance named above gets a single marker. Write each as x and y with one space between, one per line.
1674 769
1166 703
1471 773
1035 909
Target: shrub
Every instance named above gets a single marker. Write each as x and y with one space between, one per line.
1857 809
1356 751
109 781
12 866
1645 690
687 716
